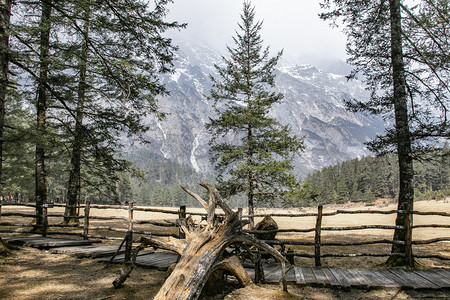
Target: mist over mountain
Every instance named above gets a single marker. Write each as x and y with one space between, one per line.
312 105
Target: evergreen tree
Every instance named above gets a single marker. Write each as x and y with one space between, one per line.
121 53
252 151
18 150
41 109
96 72
5 13
396 78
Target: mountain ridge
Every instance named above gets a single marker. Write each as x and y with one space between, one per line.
312 105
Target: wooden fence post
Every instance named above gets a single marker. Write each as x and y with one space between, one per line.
129 235
259 269
87 209
45 219
317 236
408 237
182 215
130 216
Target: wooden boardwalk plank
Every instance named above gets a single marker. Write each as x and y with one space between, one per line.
121 256
272 273
434 277
444 273
159 260
397 278
331 279
44 242
299 277
310 278
359 277
339 277
349 277
419 281
377 279
89 251
322 279
290 275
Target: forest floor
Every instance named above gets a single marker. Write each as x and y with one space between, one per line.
30 273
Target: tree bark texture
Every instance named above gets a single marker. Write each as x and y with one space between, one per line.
74 185
406 171
203 251
41 108
5 13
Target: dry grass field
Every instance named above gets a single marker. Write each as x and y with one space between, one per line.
36 274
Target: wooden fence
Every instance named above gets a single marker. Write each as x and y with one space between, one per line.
318 244
129 229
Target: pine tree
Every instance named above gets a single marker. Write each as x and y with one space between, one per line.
252 152
97 77
387 49
18 150
5 13
41 109
121 53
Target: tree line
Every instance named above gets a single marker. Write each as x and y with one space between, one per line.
370 178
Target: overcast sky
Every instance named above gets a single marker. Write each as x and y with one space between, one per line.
292 25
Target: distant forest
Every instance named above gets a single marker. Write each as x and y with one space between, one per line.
158 182
160 185
370 178
357 180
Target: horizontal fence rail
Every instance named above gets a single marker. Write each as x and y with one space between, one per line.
103 231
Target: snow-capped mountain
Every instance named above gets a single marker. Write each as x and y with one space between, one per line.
312 106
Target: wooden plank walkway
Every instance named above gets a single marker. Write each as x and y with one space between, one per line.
87 251
435 278
150 259
45 242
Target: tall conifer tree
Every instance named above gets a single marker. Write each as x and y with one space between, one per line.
95 66
41 109
386 43
252 151
5 13
118 52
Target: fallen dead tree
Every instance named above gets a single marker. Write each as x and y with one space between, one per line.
204 250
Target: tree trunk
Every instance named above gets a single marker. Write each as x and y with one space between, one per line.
204 251
5 13
406 171
78 139
41 108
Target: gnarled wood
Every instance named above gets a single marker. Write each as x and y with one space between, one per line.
204 250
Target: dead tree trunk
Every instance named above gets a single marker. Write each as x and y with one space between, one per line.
203 251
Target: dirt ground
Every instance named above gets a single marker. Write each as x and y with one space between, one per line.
36 274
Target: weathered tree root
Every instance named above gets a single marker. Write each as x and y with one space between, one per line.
203 251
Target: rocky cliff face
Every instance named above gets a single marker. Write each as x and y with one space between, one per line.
312 106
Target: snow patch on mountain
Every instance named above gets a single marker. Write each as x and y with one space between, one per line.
313 106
